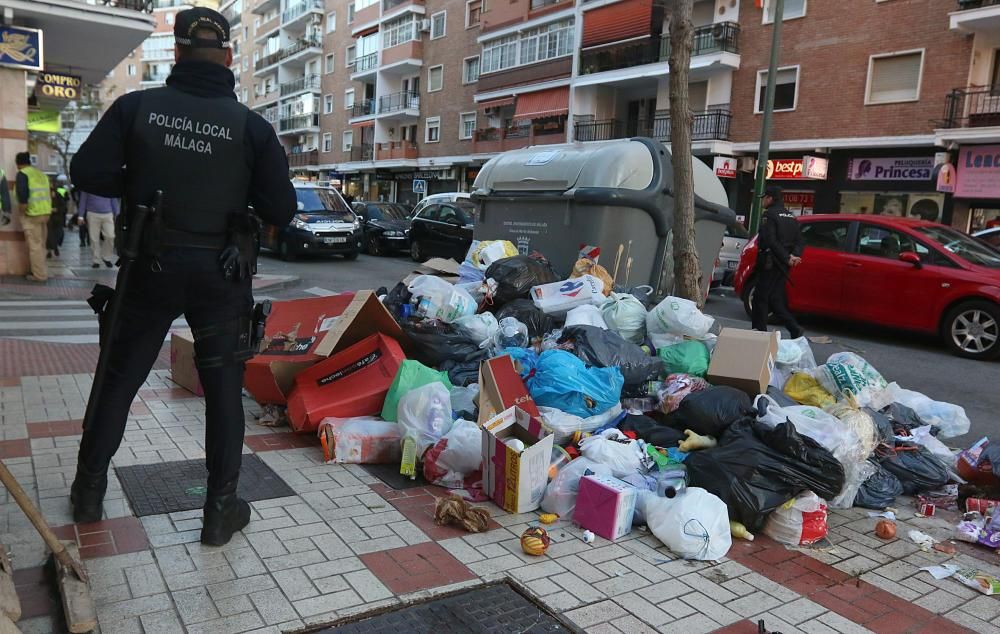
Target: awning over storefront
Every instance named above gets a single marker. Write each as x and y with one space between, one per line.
544 103
496 103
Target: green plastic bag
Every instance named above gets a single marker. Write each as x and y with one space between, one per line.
690 357
411 375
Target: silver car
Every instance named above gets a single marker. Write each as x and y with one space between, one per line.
733 241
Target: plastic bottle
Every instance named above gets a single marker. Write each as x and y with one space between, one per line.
739 531
511 334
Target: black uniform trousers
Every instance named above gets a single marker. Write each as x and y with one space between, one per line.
188 281
769 297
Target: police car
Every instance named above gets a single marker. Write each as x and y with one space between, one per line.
323 225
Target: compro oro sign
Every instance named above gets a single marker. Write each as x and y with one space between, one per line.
906 168
57 86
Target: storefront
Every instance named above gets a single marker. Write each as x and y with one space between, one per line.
977 187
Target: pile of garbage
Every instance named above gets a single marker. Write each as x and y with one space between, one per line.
505 380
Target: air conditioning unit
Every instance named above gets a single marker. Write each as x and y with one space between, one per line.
747 164
425 25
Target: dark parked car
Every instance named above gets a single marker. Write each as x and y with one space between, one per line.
442 230
386 227
324 225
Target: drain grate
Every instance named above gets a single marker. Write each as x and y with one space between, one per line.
491 609
168 487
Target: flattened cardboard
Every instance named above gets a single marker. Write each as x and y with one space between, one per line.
743 359
183 370
516 480
501 387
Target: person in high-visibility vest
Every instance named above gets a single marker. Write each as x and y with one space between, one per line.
35 204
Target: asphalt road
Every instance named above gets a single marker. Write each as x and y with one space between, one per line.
915 362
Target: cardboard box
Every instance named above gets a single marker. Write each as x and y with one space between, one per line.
605 505
501 387
302 332
351 383
183 371
743 359
514 479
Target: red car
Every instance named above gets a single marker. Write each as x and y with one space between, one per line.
897 272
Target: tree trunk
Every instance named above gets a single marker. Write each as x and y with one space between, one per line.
686 267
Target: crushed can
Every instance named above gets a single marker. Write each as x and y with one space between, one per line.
927 509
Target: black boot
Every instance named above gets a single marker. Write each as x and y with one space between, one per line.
87 497
225 514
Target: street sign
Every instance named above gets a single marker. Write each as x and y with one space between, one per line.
20 47
57 86
419 186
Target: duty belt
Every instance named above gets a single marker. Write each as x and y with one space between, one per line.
177 238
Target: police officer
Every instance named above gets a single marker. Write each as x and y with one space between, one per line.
779 250
211 157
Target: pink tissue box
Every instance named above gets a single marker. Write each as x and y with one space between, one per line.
605 506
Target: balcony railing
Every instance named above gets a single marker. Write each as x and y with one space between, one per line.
303 159
157 77
300 9
298 122
364 63
267 96
363 108
540 4
363 152
146 6
515 136
397 150
721 37
399 101
712 125
976 107
286 52
308 82
977 4
389 5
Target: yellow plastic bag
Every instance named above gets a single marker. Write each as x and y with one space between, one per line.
803 388
489 251
584 266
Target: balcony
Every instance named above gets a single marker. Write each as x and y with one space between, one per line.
977 16
145 6
298 122
977 107
396 150
712 125
285 53
364 64
515 136
389 5
721 37
154 78
400 101
303 159
363 108
266 97
558 68
302 84
365 14
263 7
363 152
234 15
300 9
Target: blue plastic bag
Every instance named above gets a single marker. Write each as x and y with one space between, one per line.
525 360
563 381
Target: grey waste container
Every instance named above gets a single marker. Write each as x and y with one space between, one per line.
614 195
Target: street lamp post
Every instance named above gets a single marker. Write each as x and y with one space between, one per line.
765 132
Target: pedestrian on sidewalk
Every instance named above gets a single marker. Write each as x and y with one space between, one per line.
79 221
35 205
100 213
57 221
781 245
208 170
5 208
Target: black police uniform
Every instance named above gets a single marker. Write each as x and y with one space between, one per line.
780 237
211 157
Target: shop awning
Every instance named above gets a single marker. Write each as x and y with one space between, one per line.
496 103
544 103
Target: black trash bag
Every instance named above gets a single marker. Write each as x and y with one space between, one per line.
461 373
916 467
539 324
607 349
782 399
515 276
904 419
883 426
435 342
652 432
756 469
880 490
396 299
710 412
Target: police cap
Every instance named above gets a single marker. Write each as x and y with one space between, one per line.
187 22
773 191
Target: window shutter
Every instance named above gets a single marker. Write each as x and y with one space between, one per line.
619 21
895 78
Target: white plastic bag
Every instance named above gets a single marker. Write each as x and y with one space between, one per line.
425 414
587 315
678 317
922 436
560 494
563 425
794 355
480 328
800 522
950 419
613 448
625 314
695 525
846 374
457 455
464 399
558 298
440 300
363 440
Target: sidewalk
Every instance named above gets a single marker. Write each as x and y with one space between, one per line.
344 543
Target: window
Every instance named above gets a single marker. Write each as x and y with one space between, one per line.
131 70
435 78
466 125
350 57
547 42
256 57
793 9
432 129
327 104
399 31
328 142
350 13
438 24
995 84
169 18
245 95
256 25
328 64
431 212
348 98
246 64
786 89
499 54
470 70
895 77
473 10
886 243
831 236
331 22
347 141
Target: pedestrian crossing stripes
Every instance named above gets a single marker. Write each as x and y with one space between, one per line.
54 321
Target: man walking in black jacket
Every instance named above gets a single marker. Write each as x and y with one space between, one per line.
779 250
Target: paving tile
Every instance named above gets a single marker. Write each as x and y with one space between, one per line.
166 622
228 625
272 606
753 604
636 605
367 585
326 603
418 567
694 624
596 613
578 587
631 625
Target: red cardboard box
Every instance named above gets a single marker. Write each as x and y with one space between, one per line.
301 332
351 383
500 388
